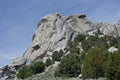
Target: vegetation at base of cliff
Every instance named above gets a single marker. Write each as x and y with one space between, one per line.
79 38
113 66
49 62
87 56
69 66
37 67
24 72
56 56
94 60
27 71
93 64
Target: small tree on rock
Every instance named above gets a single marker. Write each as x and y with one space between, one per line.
56 56
24 72
49 62
37 67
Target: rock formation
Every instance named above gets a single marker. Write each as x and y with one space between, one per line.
53 33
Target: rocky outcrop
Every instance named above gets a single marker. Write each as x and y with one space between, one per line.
54 32
7 72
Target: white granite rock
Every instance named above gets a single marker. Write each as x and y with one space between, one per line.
50 35
17 62
112 49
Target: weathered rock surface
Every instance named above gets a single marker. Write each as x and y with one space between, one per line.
54 32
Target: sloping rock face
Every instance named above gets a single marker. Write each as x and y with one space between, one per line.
54 32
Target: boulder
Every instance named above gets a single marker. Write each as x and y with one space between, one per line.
112 49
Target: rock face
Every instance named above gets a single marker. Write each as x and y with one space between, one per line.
54 32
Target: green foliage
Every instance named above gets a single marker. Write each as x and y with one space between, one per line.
98 32
57 72
49 62
37 67
56 56
87 44
113 66
113 41
93 65
24 72
72 47
27 71
82 56
70 66
61 52
97 41
95 59
79 38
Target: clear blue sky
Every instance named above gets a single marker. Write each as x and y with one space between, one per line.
19 19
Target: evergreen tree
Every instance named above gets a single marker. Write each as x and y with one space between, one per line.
70 66
113 66
37 67
24 72
49 62
93 64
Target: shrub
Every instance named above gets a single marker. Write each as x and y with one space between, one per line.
61 52
74 49
24 72
70 66
56 56
37 67
93 64
79 38
87 44
98 32
112 41
57 72
113 66
49 62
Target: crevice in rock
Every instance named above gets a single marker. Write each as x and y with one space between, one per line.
40 58
17 67
35 48
117 32
70 17
58 15
61 39
81 16
33 37
71 36
42 21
